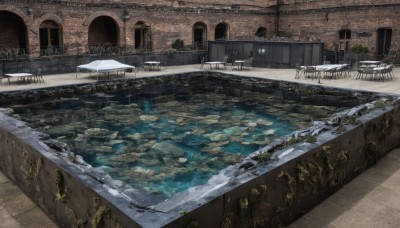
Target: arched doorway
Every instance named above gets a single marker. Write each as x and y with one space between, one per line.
103 36
384 42
261 33
50 37
13 39
199 36
142 36
221 31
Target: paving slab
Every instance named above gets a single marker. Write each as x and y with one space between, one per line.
6 219
370 200
35 218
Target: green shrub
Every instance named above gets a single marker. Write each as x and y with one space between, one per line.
359 49
178 44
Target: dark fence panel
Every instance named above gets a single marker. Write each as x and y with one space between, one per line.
68 64
274 54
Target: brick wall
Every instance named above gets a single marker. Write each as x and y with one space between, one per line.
322 20
169 20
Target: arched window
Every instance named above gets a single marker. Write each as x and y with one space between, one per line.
221 31
142 36
261 33
344 39
50 38
199 35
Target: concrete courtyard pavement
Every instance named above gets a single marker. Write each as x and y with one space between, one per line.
370 200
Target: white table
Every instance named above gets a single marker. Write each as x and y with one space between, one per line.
19 76
215 63
328 66
370 63
153 65
321 69
238 65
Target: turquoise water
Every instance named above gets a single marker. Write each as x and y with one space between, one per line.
166 145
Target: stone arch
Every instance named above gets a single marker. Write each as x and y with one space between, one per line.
222 31
97 14
15 38
103 34
199 34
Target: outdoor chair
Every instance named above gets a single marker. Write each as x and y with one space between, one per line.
162 65
235 65
140 65
299 71
310 72
345 69
202 64
364 73
248 64
389 69
37 75
331 73
225 62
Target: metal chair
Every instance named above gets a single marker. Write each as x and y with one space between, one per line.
299 71
310 72
248 64
140 64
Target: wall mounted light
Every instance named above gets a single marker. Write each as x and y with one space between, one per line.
125 16
29 10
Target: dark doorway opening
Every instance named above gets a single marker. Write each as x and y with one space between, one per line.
384 42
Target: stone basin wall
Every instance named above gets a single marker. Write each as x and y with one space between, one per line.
267 194
280 191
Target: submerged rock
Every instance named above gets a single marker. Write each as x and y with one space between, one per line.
217 136
264 122
212 150
165 148
235 130
148 118
182 160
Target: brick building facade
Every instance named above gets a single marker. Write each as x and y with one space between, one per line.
72 27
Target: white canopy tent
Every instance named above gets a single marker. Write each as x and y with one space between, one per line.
103 66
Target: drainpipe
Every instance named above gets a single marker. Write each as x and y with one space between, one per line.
278 2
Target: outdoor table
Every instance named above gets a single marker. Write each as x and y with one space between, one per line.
321 69
153 65
239 64
369 63
216 64
21 76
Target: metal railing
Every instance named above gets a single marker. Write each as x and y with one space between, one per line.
104 49
13 53
52 50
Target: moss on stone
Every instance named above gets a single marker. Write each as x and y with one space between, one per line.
100 214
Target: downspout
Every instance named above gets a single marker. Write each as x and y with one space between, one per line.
278 2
